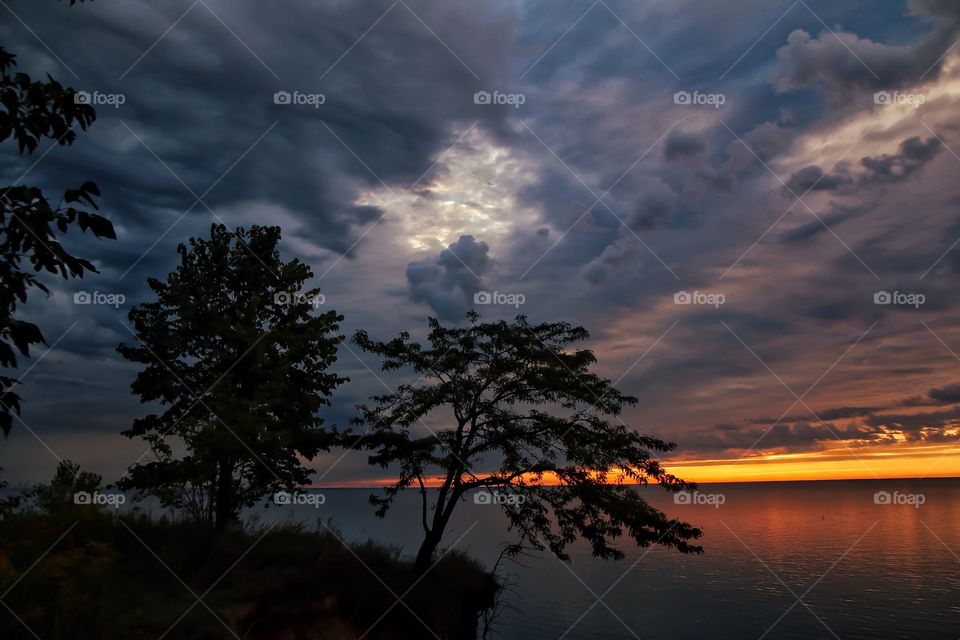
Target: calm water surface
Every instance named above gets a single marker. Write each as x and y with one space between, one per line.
782 560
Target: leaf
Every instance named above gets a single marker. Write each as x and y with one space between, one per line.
101 227
23 334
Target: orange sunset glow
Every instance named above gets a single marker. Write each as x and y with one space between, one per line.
876 463
891 461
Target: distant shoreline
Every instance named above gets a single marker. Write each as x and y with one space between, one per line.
17 488
374 487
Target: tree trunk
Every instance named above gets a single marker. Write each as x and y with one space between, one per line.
223 509
425 555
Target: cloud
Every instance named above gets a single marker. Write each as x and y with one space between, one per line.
949 394
812 178
204 104
844 62
654 208
765 141
823 223
621 256
598 120
447 282
827 415
680 145
911 156
783 437
916 425
946 395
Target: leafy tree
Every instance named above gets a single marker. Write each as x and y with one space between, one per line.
59 494
235 353
494 381
30 112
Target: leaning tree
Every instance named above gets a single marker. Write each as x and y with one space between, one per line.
238 357
521 415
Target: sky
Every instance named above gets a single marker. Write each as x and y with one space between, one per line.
749 205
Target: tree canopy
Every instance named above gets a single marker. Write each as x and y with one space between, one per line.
524 416
236 354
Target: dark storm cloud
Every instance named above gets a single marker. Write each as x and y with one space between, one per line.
200 120
201 100
683 145
845 62
834 215
787 437
812 178
654 208
828 415
915 424
800 432
946 395
683 198
763 142
949 394
912 155
447 282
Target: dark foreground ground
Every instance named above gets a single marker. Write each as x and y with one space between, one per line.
92 575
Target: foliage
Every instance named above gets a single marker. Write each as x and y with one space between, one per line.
558 475
59 495
32 111
233 351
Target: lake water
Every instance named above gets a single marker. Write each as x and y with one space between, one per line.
782 560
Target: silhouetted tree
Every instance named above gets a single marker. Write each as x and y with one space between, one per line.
495 382
236 354
60 494
30 112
